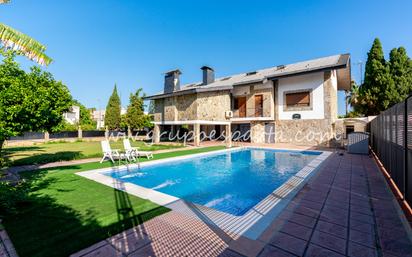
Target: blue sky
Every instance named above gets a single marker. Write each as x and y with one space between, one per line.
95 44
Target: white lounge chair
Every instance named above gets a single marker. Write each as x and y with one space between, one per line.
110 153
134 151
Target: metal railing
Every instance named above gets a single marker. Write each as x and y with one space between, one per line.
391 140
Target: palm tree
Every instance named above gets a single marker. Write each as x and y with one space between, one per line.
353 97
23 44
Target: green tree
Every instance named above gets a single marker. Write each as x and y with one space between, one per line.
112 117
136 118
353 98
31 101
400 66
86 121
378 87
23 44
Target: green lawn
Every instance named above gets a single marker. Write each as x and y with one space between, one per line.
64 151
65 212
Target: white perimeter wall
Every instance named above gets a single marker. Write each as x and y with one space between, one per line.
312 81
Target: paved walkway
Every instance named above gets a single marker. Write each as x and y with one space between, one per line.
347 209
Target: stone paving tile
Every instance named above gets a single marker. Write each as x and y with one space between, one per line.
296 230
303 210
317 251
357 250
328 241
298 218
310 204
362 227
156 249
105 251
90 249
334 229
289 243
362 218
129 243
336 218
271 251
365 239
246 246
395 242
361 209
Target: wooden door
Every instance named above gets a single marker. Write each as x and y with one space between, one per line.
241 101
258 105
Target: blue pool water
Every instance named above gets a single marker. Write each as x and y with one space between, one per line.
232 182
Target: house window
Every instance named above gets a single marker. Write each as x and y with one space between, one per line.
240 105
258 105
298 99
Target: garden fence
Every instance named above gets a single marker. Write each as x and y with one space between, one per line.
391 140
74 134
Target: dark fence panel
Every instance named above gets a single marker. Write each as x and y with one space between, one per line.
93 133
391 140
29 136
64 134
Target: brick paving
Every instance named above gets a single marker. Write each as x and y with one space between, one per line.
346 209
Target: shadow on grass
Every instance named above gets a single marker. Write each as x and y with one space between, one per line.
43 226
47 158
10 150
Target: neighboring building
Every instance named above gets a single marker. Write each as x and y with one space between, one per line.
287 99
73 115
346 126
98 116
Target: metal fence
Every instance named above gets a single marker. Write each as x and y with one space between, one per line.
75 134
57 135
391 140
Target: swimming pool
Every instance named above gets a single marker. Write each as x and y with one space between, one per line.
230 181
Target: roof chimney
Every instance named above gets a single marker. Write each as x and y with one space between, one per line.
172 81
208 75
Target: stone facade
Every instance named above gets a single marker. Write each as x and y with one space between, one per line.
213 105
186 106
331 96
267 92
210 106
304 132
257 132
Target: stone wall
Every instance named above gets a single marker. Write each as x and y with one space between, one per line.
304 132
213 105
257 132
330 95
158 110
268 103
186 106
209 106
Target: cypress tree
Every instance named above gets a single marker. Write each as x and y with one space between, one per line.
378 86
112 117
400 66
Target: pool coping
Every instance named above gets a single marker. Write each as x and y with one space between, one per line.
251 224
